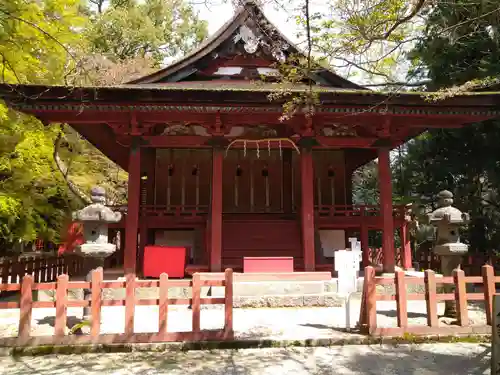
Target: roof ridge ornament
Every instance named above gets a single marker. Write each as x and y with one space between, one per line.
253 35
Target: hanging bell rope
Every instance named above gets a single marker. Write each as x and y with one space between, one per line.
257 142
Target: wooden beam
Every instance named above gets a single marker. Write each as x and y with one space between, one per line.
344 142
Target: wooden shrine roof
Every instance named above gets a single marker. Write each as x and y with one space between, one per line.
217 93
103 115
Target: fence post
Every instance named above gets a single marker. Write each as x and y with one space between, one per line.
195 302
228 304
61 304
431 298
129 303
371 300
18 272
30 266
95 302
61 269
53 269
489 290
461 297
44 270
401 299
6 271
37 269
163 305
48 263
25 308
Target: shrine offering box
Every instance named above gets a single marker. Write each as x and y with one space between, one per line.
164 259
267 264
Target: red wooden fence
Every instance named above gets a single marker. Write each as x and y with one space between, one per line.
368 315
61 304
43 269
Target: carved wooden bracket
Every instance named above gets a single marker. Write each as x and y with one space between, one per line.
383 128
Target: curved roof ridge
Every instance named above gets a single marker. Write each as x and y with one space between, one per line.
247 9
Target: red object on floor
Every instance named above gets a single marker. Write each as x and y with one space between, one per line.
72 236
268 264
164 259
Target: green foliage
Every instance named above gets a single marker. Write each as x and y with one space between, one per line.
33 198
460 48
58 42
155 28
368 38
35 43
36 38
460 43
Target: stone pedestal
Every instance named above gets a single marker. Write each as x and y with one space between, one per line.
95 219
447 245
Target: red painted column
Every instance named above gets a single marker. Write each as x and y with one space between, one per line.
385 187
134 198
365 250
216 212
307 208
405 246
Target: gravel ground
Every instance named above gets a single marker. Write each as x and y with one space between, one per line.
279 323
427 359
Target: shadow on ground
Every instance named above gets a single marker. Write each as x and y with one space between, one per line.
404 360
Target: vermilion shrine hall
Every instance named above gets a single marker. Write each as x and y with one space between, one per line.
213 167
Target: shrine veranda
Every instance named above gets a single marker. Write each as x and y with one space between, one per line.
215 169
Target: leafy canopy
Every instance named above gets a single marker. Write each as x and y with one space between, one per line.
156 28
66 42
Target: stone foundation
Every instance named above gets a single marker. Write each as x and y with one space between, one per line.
252 294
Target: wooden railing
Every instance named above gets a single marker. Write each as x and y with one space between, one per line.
96 303
43 269
168 210
177 210
356 210
368 314
471 262
321 210
376 256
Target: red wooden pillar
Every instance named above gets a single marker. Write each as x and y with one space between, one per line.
148 161
405 246
216 212
307 208
134 198
365 250
287 181
385 187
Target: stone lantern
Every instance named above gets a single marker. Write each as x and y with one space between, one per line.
447 245
95 219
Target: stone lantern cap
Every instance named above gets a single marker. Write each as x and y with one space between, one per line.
446 213
97 211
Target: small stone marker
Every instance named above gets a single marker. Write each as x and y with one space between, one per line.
356 248
347 267
495 337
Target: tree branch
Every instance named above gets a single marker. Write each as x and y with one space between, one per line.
418 6
407 84
63 168
48 35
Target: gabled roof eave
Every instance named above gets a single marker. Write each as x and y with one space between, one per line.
220 37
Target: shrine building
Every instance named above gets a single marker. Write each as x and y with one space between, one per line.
214 167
